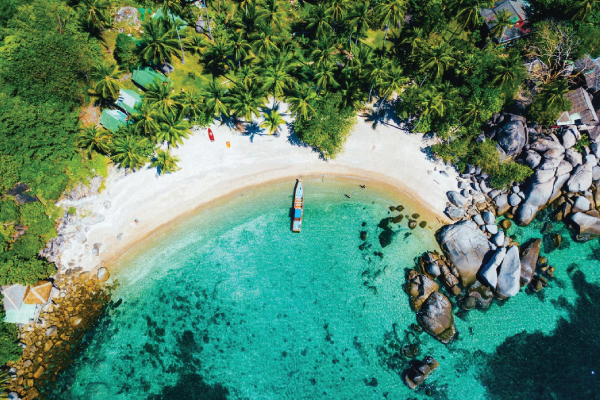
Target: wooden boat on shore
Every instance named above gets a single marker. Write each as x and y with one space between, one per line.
298 207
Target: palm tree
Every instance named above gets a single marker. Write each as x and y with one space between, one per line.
241 48
130 151
468 12
216 55
503 20
93 139
582 9
246 103
165 162
106 77
300 100
392 82
172 130
510 69
359 21
472 110
555 93
325 51
191 104
337 11
146 120
318 20
265 42
353 94
377 72
196 44
271 13
215 95
95 13
430 101
439 60
272 122
391 12
161 98
276 78
171 7
159 42
325 77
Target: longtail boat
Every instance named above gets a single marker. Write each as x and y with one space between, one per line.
298 207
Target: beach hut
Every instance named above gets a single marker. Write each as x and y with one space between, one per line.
582 111
145 76
129 100
13 297
517 9
113 119
38 293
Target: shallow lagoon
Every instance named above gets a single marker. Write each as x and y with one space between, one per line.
231 304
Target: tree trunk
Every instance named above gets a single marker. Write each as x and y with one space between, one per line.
207 20
370 90
387 28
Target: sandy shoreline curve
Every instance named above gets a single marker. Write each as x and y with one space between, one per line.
133 206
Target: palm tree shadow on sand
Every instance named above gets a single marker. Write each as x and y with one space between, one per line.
561 365
383 114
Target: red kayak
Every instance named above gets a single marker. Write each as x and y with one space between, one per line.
210 135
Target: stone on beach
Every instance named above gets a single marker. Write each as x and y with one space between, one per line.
465 246
457 199
586 226
581 180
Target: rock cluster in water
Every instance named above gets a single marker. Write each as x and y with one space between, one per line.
51 342
419 371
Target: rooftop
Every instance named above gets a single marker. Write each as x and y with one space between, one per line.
516 8
113 119
128 100
145 76
590 68
582 110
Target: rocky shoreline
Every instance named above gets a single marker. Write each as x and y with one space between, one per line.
50 344
480 262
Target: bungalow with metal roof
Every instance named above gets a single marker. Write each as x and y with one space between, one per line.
590 68
23 303
145 76
582 111
129 100
517 10
113 119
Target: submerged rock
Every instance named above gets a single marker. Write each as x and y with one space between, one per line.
586 226
419 287
529 258
436 318
419 371
465 246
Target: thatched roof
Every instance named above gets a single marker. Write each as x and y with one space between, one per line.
38 293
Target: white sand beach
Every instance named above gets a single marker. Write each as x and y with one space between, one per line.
210 170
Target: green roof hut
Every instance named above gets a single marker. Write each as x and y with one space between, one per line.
129 100
145 76
113 119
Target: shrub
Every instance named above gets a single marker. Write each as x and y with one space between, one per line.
126 52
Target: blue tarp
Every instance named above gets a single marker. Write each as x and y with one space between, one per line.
297 213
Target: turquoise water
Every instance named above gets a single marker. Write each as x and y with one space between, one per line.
231 304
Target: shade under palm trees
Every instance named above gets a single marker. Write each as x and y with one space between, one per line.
165 162
106 80
93 139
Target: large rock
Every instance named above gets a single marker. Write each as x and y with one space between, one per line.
510 274
564 167
587 226
457 199
543 145
436 318
455 213
532 159
568 139
525 214
573 157
529 257
419 287
551 163
512 138
465 246
502 203
581 180
488 274
538 194
543 175
558 185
